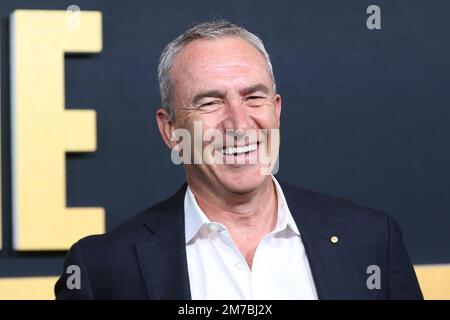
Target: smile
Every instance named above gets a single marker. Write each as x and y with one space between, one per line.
239 150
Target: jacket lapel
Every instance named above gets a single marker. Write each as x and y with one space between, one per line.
162 258
330 263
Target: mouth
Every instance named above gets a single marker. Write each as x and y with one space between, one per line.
235 151
239 150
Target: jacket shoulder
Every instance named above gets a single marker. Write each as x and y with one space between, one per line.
333 208
137 227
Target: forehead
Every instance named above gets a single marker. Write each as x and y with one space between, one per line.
220 48
218 61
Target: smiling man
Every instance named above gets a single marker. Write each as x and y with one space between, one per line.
233 231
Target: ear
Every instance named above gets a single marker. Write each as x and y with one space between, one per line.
278 108
166 126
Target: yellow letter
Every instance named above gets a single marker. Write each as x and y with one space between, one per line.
42 130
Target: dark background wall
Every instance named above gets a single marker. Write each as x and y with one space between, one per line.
366 113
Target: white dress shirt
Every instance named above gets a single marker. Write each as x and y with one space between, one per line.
217 269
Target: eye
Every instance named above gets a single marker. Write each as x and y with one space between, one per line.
210 104
254 97
255 101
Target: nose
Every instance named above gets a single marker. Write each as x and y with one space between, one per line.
238 117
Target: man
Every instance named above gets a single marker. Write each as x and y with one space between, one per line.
233 231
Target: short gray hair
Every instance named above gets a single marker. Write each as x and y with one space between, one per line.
205 30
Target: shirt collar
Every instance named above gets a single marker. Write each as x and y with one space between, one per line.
195 218
284 218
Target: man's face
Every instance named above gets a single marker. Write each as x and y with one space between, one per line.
225 84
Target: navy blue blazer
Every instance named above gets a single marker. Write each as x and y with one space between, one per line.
145 257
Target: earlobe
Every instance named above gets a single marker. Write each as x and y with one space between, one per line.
165 126
278 107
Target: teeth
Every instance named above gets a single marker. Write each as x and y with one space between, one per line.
239 150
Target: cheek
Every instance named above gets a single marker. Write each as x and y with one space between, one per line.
197 125
211 120
186 120
267 118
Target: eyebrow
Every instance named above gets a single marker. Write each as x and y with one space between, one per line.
221 94
255 88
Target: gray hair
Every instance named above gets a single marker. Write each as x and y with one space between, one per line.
206 30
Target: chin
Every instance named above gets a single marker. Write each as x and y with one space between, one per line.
241 179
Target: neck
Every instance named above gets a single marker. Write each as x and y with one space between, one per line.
241 213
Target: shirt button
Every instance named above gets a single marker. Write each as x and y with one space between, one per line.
238 266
